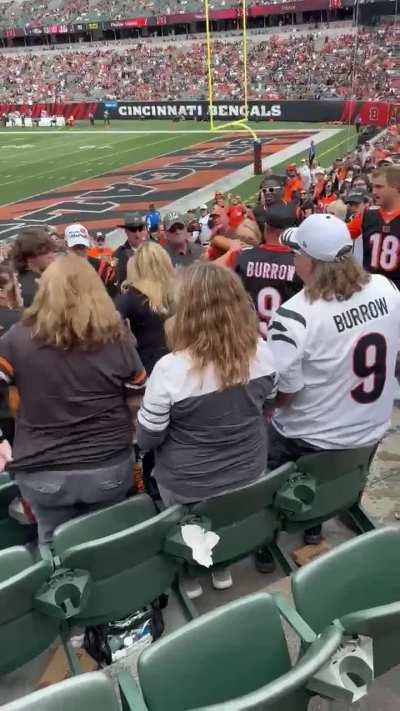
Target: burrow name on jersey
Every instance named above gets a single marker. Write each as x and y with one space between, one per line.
358 315
268 270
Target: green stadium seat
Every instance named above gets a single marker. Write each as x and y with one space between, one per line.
24 631
12 533
121 547
231 659
357 583
243 518
92 692
325 484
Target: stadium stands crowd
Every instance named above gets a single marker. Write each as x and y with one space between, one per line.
280 68
19 13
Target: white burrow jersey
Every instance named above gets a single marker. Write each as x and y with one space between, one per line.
339 358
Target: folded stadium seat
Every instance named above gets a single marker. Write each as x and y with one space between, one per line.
92 692
12 533
121 547
357 583
24 631
324 484
234 658
244 519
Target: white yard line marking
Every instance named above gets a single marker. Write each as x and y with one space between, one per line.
115 169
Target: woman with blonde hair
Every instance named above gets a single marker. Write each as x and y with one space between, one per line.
146 300
73 362
203 407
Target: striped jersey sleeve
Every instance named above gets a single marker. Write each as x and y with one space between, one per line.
287 337
154 413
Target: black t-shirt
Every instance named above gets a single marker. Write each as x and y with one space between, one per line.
269 276
146 325
7 318
29 283
381 243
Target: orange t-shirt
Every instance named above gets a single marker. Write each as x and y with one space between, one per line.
323 201
99 252
292 185
235 215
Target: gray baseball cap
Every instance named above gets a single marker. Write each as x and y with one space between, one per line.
133 219
173 218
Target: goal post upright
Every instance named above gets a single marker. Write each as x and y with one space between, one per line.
241 123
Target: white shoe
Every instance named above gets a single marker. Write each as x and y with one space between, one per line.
222 579
192 588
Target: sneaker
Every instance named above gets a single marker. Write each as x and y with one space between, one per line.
222 579
192 588
313 536
264 561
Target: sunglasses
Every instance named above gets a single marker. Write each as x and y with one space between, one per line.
135 228
272 189
176 228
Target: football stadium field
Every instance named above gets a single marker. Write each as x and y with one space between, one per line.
91 175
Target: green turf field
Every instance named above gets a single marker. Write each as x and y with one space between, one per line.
34 161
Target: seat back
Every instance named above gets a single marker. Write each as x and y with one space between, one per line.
220 656
244 518
24 632
122 549
325 483
92 692
358 575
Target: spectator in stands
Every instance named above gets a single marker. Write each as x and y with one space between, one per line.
214 367
147 300
343 327
153 219
293 184
10 313
235 212
77 239
136 232
271 191
305 174
205 231
219 207
74 364
181 251
31 254
98 250
267 270
10 298
58 241
278 69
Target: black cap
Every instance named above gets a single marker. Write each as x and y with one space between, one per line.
281 216
133 219
356 196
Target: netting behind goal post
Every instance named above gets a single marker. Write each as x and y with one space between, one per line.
241 123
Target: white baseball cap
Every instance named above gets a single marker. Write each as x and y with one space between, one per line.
203 207
323 237
77 235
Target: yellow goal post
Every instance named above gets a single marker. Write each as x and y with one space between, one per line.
242 123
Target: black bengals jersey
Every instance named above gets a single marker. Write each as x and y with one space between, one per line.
269 276
381 243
